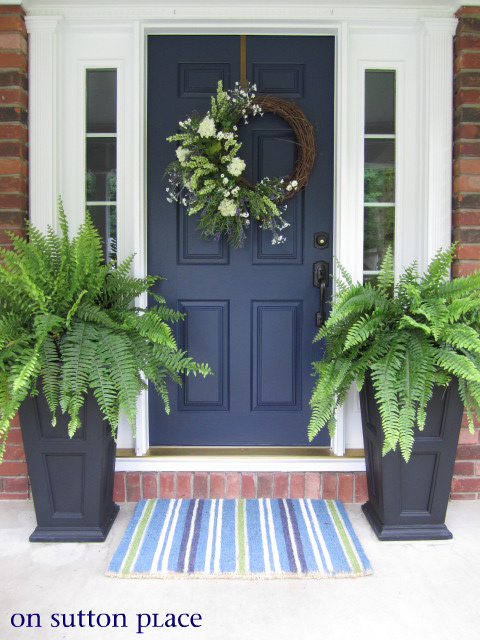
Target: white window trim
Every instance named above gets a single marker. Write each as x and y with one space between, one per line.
49 32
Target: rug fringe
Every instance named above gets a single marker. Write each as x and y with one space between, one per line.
235 576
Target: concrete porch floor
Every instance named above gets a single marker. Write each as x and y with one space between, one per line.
418 590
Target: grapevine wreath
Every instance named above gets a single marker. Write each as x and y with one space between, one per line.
207 174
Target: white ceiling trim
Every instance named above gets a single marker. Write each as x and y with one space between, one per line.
372 11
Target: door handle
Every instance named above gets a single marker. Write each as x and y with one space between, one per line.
320 280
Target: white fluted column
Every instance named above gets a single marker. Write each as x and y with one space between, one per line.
43 60
437 123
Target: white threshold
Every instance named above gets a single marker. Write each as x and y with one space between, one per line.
292 463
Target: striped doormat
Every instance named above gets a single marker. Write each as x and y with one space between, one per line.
239 539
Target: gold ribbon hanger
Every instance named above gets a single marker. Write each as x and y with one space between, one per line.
243 62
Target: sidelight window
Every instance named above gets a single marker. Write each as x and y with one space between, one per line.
379 169
101 154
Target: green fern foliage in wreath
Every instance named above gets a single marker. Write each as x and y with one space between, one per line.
409 336
67 319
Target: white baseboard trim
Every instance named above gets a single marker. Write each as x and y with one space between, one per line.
240 463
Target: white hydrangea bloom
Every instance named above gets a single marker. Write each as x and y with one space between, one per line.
206 128
182 154
236 166
227 207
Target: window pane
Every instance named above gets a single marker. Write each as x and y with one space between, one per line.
380 102
101 183
379 176
378 235
105 219
101 101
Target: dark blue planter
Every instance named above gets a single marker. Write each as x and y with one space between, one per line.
409 501
71 479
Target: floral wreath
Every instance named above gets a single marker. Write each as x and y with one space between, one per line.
207 174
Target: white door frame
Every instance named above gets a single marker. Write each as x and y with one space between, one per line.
417 47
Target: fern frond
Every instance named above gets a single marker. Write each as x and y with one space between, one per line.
384 377
386 276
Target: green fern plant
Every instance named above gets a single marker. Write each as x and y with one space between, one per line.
409 336
67 319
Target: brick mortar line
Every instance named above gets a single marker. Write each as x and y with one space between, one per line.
9 228
23 108
19 69
14 105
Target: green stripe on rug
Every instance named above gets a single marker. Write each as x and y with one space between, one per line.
241 535
142 525
343 536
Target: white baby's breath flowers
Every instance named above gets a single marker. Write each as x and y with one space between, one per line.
236 166
206 128
227 207
182 154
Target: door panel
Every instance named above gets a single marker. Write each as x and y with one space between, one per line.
250 312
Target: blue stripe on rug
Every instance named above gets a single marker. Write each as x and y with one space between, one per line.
265 538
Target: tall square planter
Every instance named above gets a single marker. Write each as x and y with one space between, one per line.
71 479
408 501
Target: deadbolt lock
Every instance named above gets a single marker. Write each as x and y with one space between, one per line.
321 240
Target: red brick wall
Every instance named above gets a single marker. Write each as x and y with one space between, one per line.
466 207
133 486
13 192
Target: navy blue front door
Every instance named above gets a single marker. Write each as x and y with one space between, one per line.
250 312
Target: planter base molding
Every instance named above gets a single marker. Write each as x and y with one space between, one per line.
386 533
76 534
